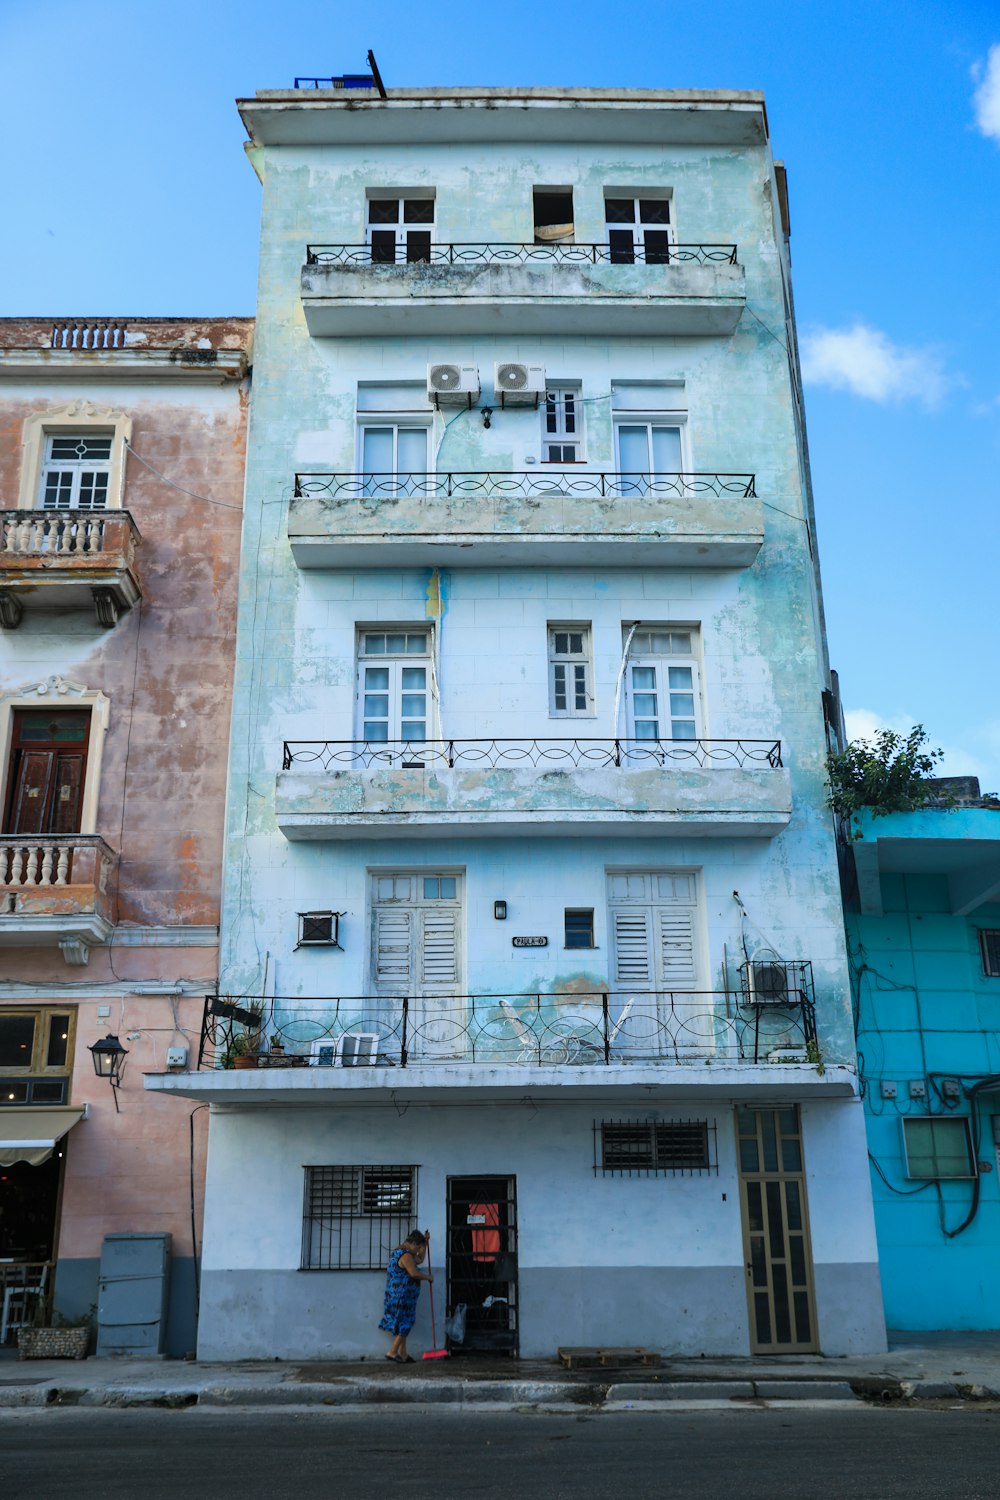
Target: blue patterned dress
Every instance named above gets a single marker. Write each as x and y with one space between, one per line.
401 1293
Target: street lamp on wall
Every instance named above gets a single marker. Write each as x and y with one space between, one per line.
109 1061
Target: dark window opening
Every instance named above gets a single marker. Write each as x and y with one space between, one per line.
580 929
553 214
653 1148
989 948
354 1217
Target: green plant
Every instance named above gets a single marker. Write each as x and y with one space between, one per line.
815 1056
886 774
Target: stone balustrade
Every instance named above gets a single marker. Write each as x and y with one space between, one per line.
74 559
55 890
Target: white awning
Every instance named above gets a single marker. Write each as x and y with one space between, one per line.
31 1135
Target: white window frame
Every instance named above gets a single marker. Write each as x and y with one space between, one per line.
645 899
675 420
563 665
645 656
397 662
63 421
75 470
403 229
636 227
417 902
395 422
568 430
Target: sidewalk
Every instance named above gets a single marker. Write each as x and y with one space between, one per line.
932 1366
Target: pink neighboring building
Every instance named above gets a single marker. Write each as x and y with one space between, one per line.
122 446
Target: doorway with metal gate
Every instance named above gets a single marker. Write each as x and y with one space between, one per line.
482 1263
776 1231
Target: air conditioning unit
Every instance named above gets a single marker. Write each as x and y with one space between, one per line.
319 929
771 982
453 385
519 385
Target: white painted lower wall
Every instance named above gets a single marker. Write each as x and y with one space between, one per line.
656 1261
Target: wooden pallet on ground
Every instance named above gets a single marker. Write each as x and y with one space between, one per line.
606 1358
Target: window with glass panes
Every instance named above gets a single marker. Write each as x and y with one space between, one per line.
562 425
76 471
647 450
400 229
36 1056
393 458
570 671
394 685
662 685
638 228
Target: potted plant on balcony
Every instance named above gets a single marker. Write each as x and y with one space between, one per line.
55 1337
244 1050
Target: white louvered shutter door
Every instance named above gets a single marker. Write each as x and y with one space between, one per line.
439 950
393 942
675 933
633 949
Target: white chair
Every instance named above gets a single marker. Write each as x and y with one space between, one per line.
19 1297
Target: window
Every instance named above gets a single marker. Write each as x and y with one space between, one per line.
553 214
647 450
393 458
652 919
989 949
571 692
354 1217
76 472
579 928
398 229
36 1056
394 685
654 1148
416 927
937 1148
661 685
562 425
638 227
48 765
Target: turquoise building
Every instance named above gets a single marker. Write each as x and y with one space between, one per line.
924 933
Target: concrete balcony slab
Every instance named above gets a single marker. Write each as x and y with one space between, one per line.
68 560
55 892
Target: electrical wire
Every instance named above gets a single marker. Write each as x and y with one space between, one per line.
222 504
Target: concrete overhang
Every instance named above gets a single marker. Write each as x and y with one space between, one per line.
632 1084
962 844
404 802
415 117
199 366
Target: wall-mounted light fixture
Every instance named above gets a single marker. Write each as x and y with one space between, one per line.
487 412
109 1062
500 911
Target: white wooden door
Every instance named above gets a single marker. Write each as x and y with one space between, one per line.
416 954
655 962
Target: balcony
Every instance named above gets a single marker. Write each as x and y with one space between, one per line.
523 289
660 1043
343 789
66 559
54 892
533 518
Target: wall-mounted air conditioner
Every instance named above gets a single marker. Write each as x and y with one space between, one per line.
772 981
453 385
519 385
319 929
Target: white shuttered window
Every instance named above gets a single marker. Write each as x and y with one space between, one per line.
653 916
416 933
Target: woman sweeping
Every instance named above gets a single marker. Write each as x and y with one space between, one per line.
402 1288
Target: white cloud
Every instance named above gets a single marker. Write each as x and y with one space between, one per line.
866 362
986 99
983 762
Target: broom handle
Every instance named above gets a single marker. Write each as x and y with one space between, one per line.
430 1293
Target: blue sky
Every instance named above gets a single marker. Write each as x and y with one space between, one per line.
126 192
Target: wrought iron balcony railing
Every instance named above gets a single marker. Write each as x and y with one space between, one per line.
597 1028
515 754
525 484
494 252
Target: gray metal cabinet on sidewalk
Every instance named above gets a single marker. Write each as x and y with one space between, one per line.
132 1297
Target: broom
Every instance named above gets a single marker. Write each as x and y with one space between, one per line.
434 1353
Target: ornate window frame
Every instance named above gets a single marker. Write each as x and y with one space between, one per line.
55 692
77 416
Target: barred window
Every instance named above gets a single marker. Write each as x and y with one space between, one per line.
989 947
654 1148
354 1217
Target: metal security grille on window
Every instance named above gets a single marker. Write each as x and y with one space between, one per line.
76 473
651 1148
355 1216
989 946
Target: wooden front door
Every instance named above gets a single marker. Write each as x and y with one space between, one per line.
48 765
776 1231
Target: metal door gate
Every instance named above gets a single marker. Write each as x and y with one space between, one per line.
482 1262
776 1231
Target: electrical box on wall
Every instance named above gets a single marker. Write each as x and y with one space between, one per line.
918 1089
177 1057
888 1089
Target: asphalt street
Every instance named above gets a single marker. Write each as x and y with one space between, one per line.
431 1453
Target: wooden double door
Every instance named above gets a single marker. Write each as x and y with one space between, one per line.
48 766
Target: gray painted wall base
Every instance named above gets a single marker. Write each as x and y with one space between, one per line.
849 1309
76 1293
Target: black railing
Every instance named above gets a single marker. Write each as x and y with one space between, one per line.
513 754
599 1028
493 252
516 484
